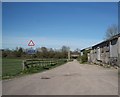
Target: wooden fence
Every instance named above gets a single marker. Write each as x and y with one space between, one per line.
41 62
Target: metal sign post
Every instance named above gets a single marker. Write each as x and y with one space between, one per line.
31 50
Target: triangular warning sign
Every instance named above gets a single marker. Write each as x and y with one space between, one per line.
31 43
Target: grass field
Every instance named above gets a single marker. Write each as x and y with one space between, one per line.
11 67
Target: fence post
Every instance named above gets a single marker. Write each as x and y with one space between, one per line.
23 65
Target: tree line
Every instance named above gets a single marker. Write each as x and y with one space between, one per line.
42 52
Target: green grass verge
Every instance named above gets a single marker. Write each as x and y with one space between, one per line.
13 68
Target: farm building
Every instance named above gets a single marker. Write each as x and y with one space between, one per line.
86 54
106 52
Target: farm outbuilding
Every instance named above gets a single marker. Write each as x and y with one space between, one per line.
106 52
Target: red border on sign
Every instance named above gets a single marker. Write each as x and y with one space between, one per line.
31 43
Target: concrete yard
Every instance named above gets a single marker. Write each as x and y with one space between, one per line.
71 78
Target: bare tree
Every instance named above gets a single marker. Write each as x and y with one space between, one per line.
111 31
65 48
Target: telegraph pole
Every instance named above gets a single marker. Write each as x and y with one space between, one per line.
68 54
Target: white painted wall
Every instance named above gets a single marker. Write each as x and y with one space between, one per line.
119 45
119 51
98 53
114 49
81 53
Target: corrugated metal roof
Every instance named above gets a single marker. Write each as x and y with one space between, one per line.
114 37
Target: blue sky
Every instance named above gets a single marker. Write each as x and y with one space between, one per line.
77 25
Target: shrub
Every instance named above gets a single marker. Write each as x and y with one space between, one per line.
84 57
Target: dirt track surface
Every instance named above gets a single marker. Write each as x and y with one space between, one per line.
69 79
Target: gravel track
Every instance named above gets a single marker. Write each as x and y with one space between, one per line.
71 78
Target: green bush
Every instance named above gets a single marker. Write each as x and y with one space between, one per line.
84 57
